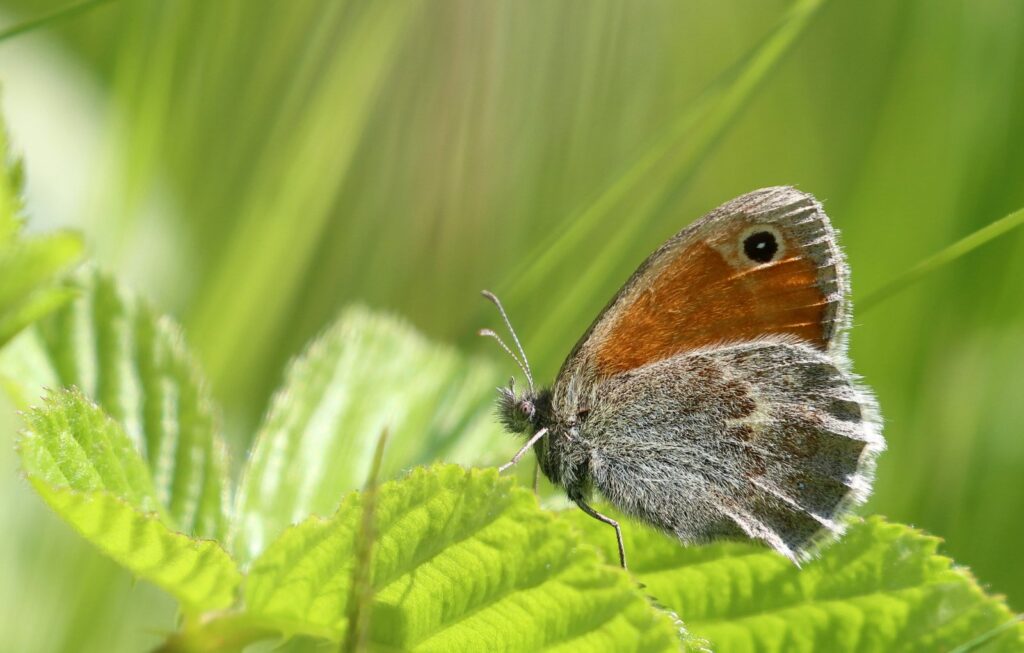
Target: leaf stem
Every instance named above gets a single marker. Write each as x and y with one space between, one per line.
361 589
222 632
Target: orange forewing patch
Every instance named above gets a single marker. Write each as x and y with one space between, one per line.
700 298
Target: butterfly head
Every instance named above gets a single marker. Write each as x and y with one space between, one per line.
520 412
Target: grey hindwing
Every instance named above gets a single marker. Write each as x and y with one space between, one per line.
766 439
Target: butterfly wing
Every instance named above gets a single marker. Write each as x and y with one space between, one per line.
768 439
712 395
766 263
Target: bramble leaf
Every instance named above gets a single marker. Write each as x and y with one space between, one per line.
366 373
882 587
134 363
84 466
464 561
29 265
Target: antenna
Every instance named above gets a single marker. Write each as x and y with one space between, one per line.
524 364
491 334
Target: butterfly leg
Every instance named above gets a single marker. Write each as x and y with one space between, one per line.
536 478
526 447
606 519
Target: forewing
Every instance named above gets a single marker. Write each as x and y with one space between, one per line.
766 263
768 439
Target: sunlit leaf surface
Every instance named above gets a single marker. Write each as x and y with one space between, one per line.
367 373
133 362
463 562
86 468
882 587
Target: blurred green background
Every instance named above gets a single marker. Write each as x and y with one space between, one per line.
253 166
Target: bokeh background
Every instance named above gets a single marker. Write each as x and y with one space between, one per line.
254 166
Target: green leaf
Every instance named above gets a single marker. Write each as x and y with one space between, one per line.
882 587
28 263
84 466
73 444
134 363
464 561
11 182
26 371
29 267
36 306
367 373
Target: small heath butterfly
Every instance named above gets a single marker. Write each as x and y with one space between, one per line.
713 397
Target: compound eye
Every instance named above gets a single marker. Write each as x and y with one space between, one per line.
526 408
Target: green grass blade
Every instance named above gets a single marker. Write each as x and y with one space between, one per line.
625 208
981 642
946 256
49 18
285 216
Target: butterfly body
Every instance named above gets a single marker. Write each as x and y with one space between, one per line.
712 397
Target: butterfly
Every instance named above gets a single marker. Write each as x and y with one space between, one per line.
713 396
